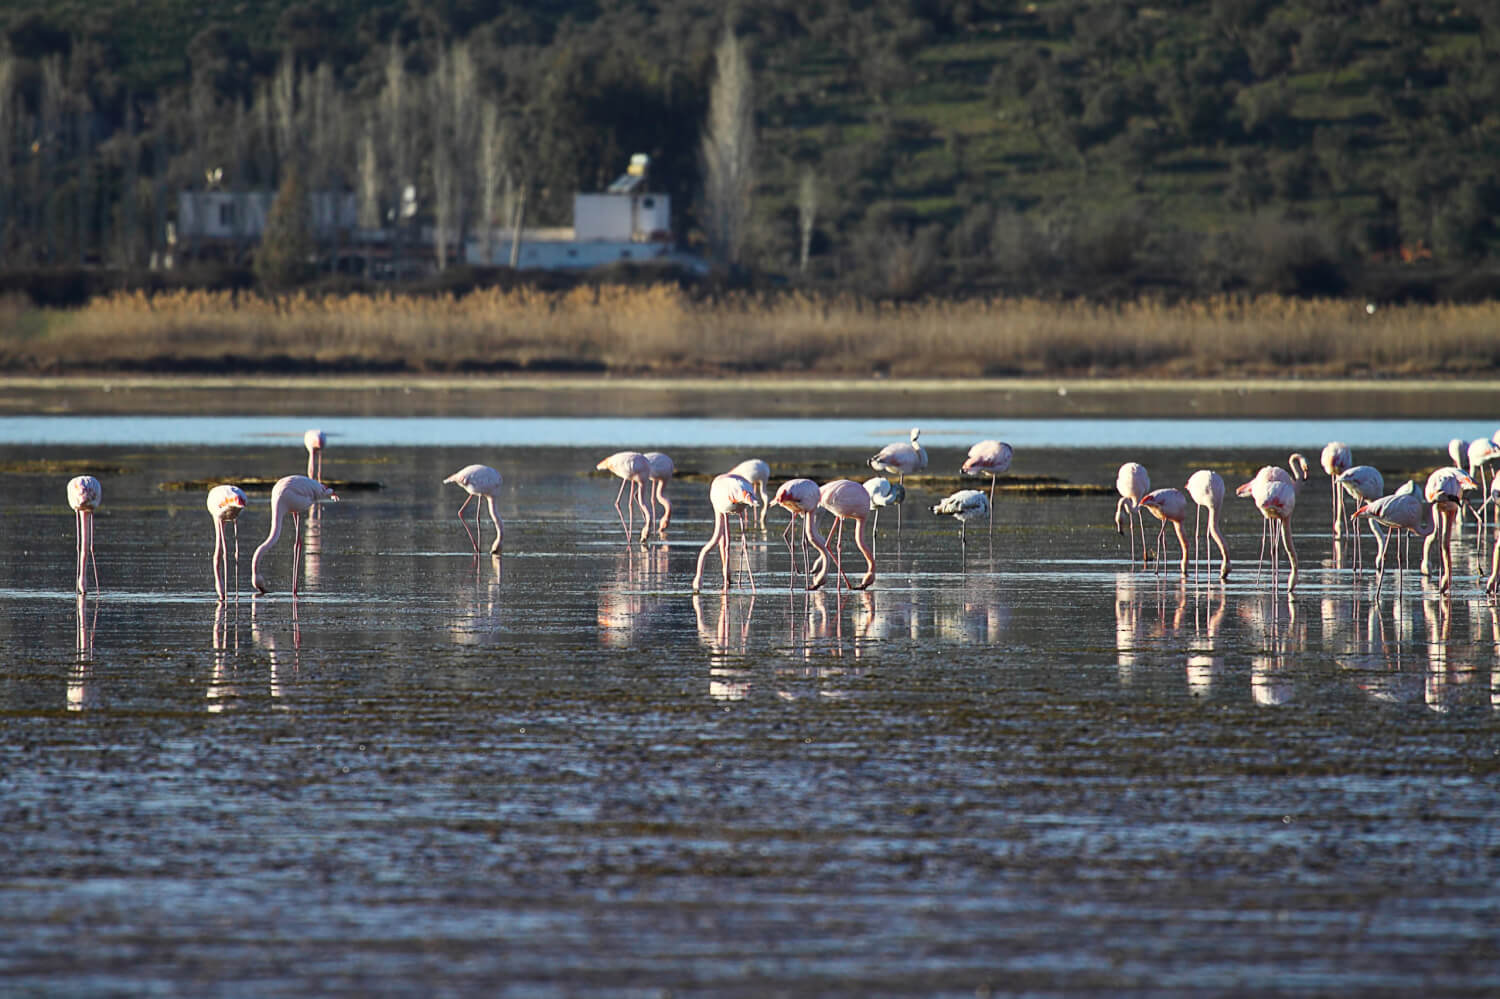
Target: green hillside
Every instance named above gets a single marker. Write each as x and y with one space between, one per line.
951 147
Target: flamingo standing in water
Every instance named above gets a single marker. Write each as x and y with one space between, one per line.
1206 487
225 504
903 458
315 441
1336 459
847 500
1294 475
1362 483
1276 500
800 497
726 493
634 471
990 458
758 474
883 493
1132 483
964 505
84 496
1445 489
479 480
662 471
1170 507
1480 453
295 495
1403 510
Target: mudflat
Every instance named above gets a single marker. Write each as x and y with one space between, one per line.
750 397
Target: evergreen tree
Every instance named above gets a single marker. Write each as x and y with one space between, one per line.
286 254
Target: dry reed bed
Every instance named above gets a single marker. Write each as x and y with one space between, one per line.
662 329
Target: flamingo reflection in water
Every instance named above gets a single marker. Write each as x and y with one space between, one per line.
628 612
728 648
1204 660
80 694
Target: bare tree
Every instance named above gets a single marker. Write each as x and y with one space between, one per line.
8 116
284 112
369 180
455 118
728 152
492 173
807 212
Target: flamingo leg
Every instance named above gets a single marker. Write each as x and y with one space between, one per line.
647 513
236 559
296 551
1181 540
713 541
472 540
745 552
93 562
499 526
220 556
992 502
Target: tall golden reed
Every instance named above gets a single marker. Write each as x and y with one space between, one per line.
662 329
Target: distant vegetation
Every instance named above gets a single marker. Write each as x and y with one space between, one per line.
949 149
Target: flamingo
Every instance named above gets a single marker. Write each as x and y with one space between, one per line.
990 458
847 500
1294 475
1169 506
1403 510
1362 483
1336 459
965 505
315 441
758 474
903 458
883 493
726 492
84 496
1206 487
225 503
634 471
1276 501
479 480
1444 490
662 471
800 498
295 495
1132 483
1480 453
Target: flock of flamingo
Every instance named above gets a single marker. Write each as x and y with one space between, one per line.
744 488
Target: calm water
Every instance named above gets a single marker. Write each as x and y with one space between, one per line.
1027 768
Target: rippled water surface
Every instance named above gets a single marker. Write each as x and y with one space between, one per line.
1027 767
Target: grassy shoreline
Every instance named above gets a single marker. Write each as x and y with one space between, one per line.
663 331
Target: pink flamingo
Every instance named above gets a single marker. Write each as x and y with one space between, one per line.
1293 475
225 504
758 474
662 471
1445 489
295 495
1206 487
1276 501
315 441
84 496
1132 483
1169 506
634 471
903 458
726 493
1336 459
1480 453
479 480
1362 483
1401 511
847 500
990 458
800 498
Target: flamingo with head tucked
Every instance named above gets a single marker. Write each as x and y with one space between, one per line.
990 458
1206 487
84 496
883 493
1336 459
847 500
964 506
902 458
294 495
726 493
315 441
1132 483
225 504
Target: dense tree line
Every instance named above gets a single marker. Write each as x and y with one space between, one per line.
901 148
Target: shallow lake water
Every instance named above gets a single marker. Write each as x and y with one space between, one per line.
1027 765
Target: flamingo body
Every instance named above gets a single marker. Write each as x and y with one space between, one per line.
479 480
1132 483
634 471
883 493
1170 507
964 505
726 493
847 500
990 458
225 504
84 496
292 495
758 474
1206 488
800 498
902 458
315 440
